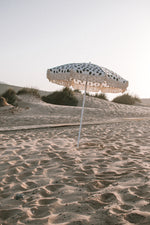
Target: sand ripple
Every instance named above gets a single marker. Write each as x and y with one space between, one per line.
105 181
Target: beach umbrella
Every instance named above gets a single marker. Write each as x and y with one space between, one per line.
87 77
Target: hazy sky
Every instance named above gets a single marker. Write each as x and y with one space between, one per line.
39 34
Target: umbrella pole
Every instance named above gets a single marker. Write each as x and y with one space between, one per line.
82 114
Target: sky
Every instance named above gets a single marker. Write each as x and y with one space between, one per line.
39 34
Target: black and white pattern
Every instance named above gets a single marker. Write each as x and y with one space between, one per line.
85 68
75 75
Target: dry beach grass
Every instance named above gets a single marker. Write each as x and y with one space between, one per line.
45 179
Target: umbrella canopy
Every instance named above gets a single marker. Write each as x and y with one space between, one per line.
98 78
89 77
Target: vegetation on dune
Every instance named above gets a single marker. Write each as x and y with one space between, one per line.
126 99
10 96
31 91
77 91
64 97
101 96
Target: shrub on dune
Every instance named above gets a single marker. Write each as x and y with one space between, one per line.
64 97
77 91
31 91
126 99
101 96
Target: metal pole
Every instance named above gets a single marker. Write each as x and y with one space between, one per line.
82 113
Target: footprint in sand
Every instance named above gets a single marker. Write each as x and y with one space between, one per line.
31 184
47 201
95 204
128 197
126 207
40 211
135 218
108 198
12 215
45 193
141 191
94 186
54 187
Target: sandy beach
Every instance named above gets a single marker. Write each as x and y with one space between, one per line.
45 179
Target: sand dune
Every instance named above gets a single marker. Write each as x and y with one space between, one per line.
32 111
4 87
46 179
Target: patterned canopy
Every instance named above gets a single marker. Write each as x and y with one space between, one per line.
98 78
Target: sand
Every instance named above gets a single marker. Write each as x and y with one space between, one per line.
45 179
